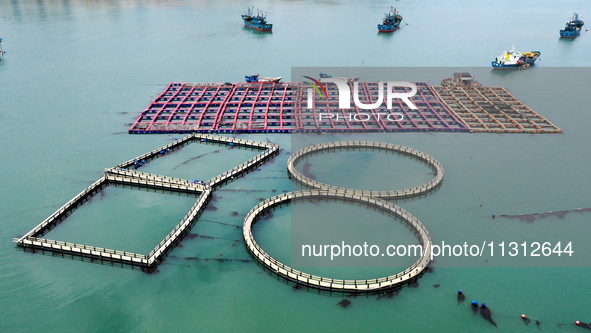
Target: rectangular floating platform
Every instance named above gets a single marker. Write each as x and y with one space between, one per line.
285 108
326 116
219 108
493 110
126 174
34 240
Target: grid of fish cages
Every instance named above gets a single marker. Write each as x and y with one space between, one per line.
289 107
218 108
494 110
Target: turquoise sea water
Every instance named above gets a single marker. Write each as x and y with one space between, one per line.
77 73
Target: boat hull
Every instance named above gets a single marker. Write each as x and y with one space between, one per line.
259 27
569 34
497 65
387 28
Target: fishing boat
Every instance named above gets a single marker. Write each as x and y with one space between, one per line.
258 22
572 28
391 21
1 51
256 78
514 59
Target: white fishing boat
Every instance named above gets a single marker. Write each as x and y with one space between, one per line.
514 59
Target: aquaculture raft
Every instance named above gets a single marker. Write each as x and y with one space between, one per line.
367 199
493 110
126 174
219 107
393 194
430 115
283 107
390 282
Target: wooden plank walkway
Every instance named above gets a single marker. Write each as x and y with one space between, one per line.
268 151
66 210
125 174
407 276
392 194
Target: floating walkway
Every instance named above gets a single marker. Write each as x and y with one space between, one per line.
370 199
269 150
126 174
394 194
284 108
407 276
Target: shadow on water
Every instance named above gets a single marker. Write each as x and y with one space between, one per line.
211 259
306 171
83 259
566 40
487 314
386 35
503 72
259 34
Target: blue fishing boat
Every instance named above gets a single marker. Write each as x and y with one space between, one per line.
514 59
258 22
572 28
391 21
255 78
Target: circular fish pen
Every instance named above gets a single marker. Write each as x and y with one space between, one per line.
392 194
394 281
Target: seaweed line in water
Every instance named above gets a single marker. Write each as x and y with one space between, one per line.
240 190
529 218
192 159
222 223
193 236
217 259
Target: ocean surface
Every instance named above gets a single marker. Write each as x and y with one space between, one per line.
77 73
